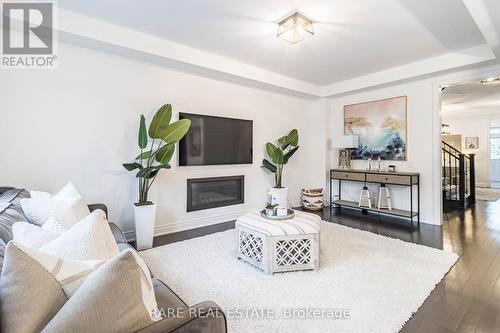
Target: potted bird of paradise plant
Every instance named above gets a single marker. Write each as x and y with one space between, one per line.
279 154
161 136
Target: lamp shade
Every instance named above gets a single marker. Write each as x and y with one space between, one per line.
345 141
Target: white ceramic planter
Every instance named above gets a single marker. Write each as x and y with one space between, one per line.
145 217
279 196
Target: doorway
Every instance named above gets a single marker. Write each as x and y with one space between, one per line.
470 143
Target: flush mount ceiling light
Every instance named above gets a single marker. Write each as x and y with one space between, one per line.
493 80
295 28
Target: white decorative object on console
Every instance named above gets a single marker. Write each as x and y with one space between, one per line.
364 198
384 198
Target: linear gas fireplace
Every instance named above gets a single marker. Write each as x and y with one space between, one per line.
204 193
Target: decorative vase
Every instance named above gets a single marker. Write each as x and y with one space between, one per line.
145 216
279 196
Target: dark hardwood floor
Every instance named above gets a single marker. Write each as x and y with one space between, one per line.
468 298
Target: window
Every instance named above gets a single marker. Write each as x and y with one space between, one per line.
495 141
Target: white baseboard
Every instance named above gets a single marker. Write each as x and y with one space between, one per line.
169 228
177 226
428 219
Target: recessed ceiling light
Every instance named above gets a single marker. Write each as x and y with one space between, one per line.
295 28
492 80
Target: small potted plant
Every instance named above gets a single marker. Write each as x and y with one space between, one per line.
164 135
279 155
270 208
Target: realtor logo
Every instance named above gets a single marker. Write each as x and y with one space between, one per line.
27 35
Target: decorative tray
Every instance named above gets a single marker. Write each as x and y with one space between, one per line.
274 216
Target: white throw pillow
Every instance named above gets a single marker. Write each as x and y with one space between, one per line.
66 206
53 225
31 235
89 239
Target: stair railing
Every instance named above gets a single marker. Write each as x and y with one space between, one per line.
459 180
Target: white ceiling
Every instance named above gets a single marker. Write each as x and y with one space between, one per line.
352 38
470 97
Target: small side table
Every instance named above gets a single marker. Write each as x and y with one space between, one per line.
279 246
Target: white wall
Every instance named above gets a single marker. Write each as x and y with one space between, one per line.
475 123
79 122
419 142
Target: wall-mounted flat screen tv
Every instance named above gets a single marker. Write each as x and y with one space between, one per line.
216 141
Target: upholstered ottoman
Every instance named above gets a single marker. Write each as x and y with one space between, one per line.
279 246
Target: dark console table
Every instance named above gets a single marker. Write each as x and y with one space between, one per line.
408 179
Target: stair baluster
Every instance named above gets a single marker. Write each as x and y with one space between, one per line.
459 179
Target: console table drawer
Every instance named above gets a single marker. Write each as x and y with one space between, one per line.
390 179
358 176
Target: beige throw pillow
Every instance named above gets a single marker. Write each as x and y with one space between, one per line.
117 297
39 294
29 295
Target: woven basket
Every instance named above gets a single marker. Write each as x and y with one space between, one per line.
312 199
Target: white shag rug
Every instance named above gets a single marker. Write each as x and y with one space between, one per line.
378 281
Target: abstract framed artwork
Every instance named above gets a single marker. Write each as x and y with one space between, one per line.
381 127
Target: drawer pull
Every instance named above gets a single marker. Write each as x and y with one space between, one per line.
386 178
346 176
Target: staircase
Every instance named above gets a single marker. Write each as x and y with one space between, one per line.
459 178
